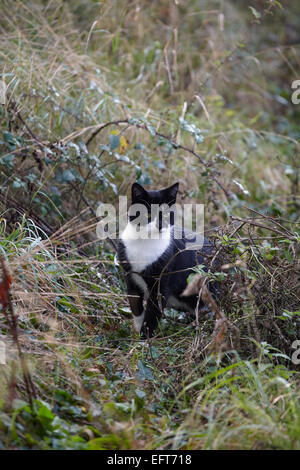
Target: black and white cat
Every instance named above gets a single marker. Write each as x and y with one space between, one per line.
157 266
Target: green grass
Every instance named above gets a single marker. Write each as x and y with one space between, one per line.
98 386
203 95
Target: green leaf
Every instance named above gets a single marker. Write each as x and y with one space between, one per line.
255 13
114 142
68 176
144 372
140 393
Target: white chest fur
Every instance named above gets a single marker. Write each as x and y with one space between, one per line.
145 247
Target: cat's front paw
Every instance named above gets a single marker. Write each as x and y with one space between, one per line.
146 332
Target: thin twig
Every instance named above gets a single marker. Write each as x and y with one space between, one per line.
9 313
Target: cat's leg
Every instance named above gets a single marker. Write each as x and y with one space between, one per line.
152 314
135 298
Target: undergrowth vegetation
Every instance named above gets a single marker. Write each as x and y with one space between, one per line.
102 94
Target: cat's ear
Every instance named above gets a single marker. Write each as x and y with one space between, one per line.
171 193
137 192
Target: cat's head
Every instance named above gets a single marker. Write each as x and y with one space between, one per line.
157 207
